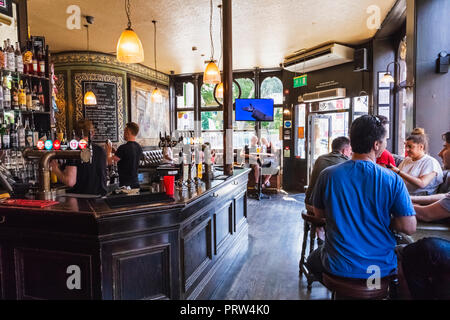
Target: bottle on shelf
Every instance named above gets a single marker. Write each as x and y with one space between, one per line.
21 133
11 57
6 141
35 133
41 62
14 97
34 64
2 59
28 59
22 97
43 135
64 142
41 97
5 55
29 143
14 137
6 94
28 97
1 93
35 99
19 58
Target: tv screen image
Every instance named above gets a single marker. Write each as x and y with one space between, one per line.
254 109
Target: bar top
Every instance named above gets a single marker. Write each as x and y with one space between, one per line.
98 208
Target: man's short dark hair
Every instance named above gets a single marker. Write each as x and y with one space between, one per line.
446 137
339 144
133 128
365 131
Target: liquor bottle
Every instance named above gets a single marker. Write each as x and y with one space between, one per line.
34 64
43 135
29 143
29 99
41 63
5 136
1 94
28 59
41 97
22 97
2 59
19 58
13 136
14 97
35 99
11 57
35 134
21 134
6 94
5 56
64 142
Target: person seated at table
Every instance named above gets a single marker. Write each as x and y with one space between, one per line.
254 160
422 173
386 159
426 268
341 152
84 178
436 211
445 186
127 157
357 198
268 158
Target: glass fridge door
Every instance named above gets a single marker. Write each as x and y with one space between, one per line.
320 138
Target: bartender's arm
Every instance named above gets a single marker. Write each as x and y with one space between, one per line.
110 157
68 177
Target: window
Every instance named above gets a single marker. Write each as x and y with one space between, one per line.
186 101
185 120
212 120
215 138
247 88
207 94
272 88
271 130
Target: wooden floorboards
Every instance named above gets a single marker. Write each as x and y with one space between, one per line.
268 268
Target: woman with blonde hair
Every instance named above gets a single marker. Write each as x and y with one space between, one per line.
422 173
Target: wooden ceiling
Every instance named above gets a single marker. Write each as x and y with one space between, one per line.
264 31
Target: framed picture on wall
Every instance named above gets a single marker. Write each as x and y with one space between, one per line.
6 8
151 117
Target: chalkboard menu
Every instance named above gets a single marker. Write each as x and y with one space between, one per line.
104 114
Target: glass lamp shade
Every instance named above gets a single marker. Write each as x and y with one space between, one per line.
129 47
90 99
212 73
157 96
219 91
388 78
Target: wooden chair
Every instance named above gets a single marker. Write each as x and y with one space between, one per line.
310 223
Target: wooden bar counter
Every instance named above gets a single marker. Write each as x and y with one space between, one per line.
83 249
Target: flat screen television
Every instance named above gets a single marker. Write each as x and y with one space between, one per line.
254 110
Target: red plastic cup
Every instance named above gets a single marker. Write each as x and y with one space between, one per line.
169 184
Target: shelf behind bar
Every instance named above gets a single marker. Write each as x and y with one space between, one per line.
23 75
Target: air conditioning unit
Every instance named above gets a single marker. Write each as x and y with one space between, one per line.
319 58
331 94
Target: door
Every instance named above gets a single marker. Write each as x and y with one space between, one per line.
319 138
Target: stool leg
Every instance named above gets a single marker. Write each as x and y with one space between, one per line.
312 240
305 240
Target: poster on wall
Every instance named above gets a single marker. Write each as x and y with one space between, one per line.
6 7
151 117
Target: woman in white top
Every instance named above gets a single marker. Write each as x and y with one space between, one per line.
422 173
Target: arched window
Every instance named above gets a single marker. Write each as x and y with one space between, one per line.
247 88
272 88
207 95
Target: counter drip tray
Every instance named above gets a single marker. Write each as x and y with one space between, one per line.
138 200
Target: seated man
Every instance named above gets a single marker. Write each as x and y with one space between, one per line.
445 186
357 198
426 267
436 211
341 152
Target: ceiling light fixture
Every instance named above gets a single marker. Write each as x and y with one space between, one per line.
89 97
212 72
129 47
156 94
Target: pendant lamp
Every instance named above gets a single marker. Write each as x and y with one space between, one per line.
156 94
219 91
212 72
129 46
89 97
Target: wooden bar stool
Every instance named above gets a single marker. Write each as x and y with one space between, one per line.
310 223
357 289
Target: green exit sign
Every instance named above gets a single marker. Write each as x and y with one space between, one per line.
300 81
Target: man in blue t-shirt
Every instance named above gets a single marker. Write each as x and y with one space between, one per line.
357 198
